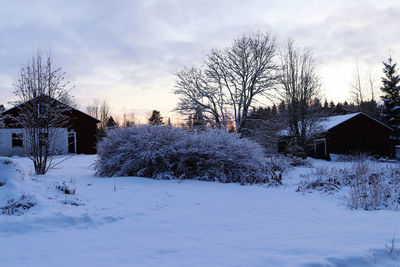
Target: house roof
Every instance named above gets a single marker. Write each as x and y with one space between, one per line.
75 109
328 123
333 121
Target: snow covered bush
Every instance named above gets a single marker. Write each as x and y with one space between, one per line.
72 201
67 188
276 166
366 187
329 180
163 152
373 189
18 206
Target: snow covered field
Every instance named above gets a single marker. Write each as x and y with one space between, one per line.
143 222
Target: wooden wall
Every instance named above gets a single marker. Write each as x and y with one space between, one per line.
360 134
85 128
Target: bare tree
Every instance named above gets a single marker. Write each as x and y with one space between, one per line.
362 85
196 92
40 114
371 86
44 121
101 111
40 77
230 81
299 86
93 109
357 90
104 113
128 119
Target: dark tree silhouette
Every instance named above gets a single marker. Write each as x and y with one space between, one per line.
155 118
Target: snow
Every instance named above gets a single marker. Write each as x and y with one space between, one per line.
333 121
327 123
129 221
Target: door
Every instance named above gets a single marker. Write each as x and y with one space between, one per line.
71 142
320 148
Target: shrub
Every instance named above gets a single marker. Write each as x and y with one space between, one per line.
373 189
276 166
169 153
18 206
325 179
327 185
368 188
72 201
67 188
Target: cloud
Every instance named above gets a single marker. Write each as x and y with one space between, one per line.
128 51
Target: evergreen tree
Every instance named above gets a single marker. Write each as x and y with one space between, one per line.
282 107
326 106
2 108
111 123
274 111
198 121
317 104
352 108
370 108
269 112
391 97
332 107
346 107
339 109
155 118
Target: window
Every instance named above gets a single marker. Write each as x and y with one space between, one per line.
17 140
72 142
43 110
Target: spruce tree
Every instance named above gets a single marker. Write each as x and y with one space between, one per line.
391 98
111 123
282 107
155 118
332 107
197 120
326 106
274 110
339 110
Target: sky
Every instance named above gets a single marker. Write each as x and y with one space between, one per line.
127 52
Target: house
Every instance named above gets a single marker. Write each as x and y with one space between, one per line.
349 134
76 135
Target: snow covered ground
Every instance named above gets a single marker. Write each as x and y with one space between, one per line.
132 221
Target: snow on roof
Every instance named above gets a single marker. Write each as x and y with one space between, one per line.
328 123
333 121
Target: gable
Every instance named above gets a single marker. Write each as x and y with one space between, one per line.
327 124
73 113
335 122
